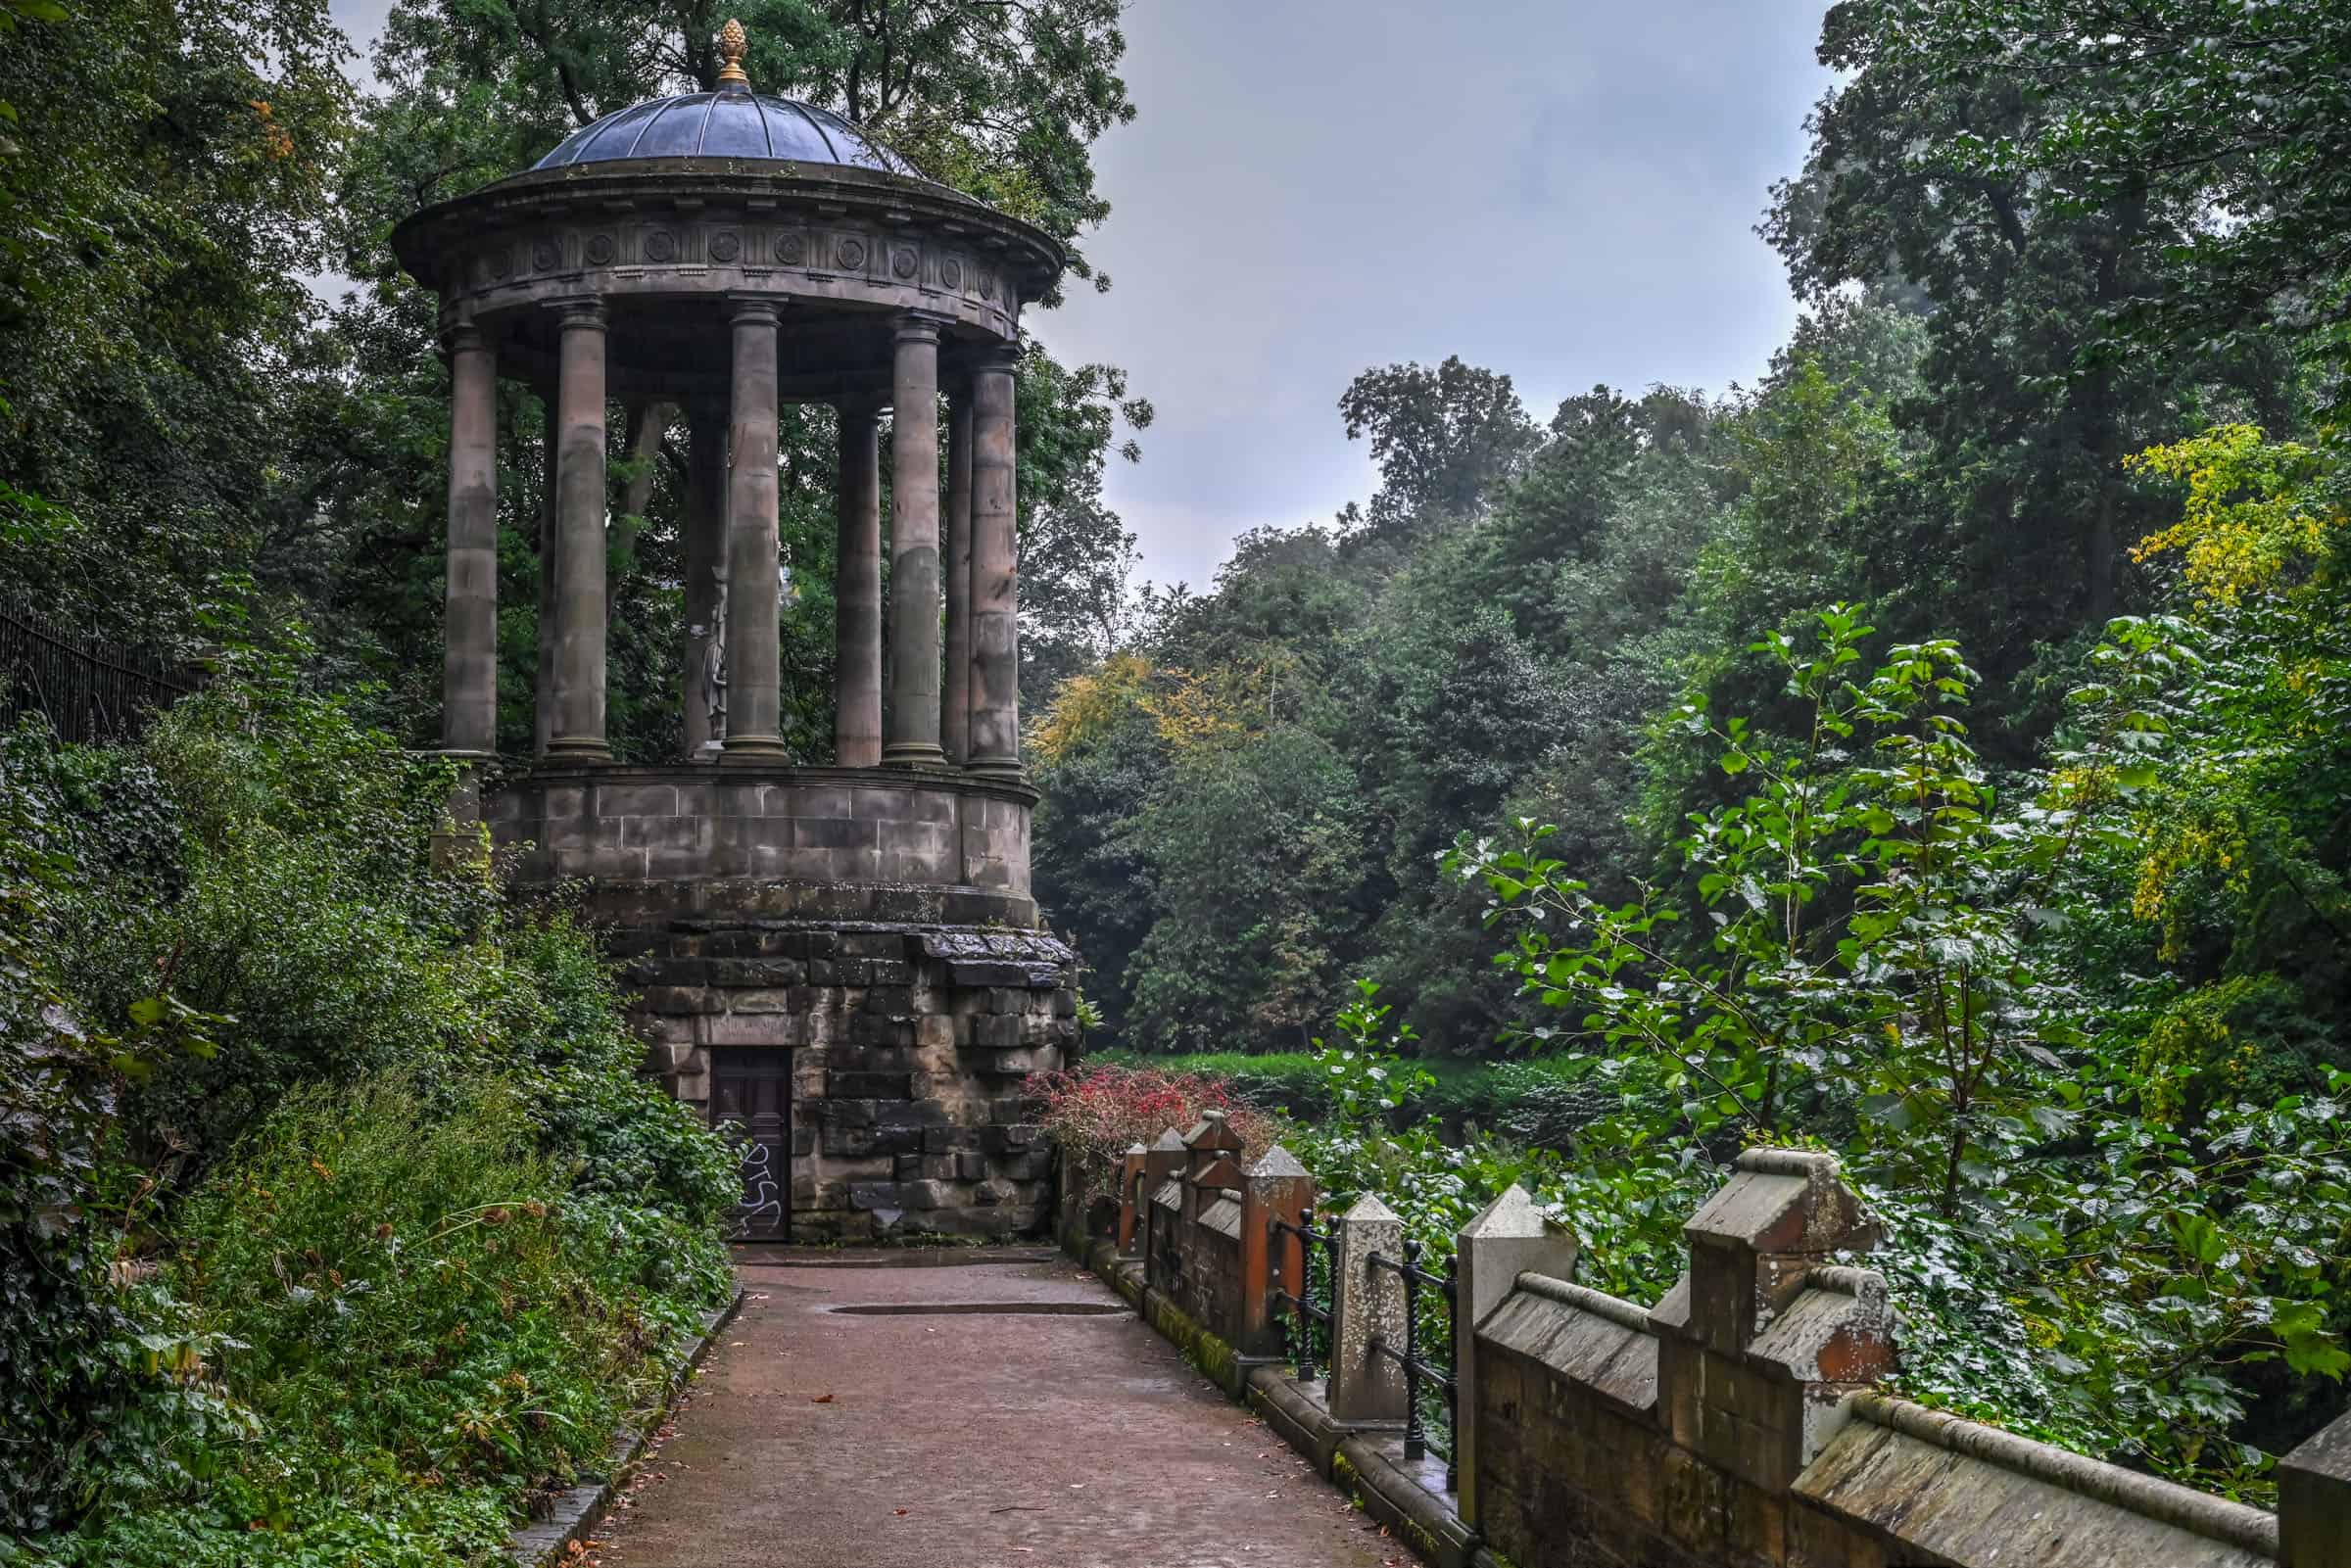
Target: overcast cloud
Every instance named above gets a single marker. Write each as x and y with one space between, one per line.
1561 189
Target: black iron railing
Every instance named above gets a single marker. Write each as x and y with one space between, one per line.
1303 1316
89 690
1419 1369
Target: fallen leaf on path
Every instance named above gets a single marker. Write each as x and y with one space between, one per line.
822 1399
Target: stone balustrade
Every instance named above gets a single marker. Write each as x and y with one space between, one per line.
1739 1423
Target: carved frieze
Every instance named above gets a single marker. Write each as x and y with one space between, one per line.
843 261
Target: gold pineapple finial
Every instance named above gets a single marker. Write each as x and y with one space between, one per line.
731 42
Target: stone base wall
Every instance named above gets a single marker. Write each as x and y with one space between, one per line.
910 1048
824 827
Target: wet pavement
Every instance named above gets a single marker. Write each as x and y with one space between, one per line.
988 1416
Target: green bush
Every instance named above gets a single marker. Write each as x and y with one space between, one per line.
334 1216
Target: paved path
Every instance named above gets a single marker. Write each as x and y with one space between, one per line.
822 1439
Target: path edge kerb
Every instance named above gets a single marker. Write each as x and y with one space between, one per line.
578 1512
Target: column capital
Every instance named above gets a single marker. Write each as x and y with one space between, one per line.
999 358
580 313
462 337
918 326
860 404
753 307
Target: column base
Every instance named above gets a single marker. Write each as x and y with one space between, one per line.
1008 772
764 750
913 754
578 748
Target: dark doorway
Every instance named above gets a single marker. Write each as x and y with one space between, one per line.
752 1091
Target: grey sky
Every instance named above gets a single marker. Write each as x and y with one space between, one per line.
1561 189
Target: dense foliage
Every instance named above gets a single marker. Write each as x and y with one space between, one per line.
334 1216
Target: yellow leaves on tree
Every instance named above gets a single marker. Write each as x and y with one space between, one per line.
1227 704
2251 517
277 142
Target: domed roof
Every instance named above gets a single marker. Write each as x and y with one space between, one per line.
731 122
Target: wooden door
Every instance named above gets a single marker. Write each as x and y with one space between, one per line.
751 1089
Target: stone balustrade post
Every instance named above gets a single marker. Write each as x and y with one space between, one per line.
1209 1139
1367 1390
1275 1187
1162 1163
1761 1338
1130 1197
2314 1502
1510 1237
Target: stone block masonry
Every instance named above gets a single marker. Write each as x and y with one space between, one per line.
909 1050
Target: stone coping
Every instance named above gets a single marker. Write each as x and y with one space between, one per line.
515 773
2233 1524
1600 1304
751 903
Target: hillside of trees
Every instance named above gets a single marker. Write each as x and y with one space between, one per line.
1940 750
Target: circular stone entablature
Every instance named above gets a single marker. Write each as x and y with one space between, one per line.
672 244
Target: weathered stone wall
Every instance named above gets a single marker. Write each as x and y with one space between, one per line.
1735 1424
873 924
818 827
911 1047
1211 1289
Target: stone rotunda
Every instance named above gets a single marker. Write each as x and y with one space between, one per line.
842 959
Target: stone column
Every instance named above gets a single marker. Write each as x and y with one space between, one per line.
913 725
705 574
955 707
857 591
1367 1390
1510 1237
580 529
754 676
469 628
549 681
995 678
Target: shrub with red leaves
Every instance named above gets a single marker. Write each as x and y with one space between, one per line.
1097 1113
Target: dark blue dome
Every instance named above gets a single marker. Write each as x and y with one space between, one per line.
732 123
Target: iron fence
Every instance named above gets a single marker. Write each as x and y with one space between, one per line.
1303 1316
88 688
1419 1369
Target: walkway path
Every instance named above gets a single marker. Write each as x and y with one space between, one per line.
819 1438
